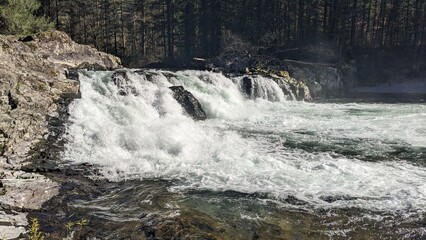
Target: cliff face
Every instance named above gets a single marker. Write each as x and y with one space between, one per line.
34 80
33 76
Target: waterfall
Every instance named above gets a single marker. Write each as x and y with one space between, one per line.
130 126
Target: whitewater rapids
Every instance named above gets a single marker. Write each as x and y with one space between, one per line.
330 155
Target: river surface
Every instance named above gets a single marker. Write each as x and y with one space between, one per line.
260 166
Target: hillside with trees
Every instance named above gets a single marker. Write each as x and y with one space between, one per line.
380 36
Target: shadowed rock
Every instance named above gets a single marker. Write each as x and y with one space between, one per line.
123 83
189 103
248 86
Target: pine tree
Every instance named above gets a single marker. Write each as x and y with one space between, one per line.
20 19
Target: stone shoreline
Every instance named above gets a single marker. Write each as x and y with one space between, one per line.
35 82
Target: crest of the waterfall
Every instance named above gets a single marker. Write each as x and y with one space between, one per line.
220 96
260 87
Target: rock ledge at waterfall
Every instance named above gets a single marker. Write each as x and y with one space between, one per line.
35 83
306 80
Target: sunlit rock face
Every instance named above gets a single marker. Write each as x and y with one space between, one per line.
36 80
33 77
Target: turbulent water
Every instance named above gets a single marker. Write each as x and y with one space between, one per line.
308 156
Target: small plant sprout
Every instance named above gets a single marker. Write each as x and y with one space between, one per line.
83 222
69 226
35 233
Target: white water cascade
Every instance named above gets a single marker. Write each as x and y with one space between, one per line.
246 144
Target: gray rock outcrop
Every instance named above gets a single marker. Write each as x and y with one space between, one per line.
323 81
34 79
295 89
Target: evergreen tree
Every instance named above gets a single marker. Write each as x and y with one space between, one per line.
148 31
19 17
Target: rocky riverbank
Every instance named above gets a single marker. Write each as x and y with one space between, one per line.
36 82
307 80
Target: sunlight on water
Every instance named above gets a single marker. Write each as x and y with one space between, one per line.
327 155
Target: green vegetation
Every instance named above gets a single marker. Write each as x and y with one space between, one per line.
175 31
20 18
76 227
35 233
72 228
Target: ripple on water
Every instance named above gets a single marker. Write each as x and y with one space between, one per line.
307 156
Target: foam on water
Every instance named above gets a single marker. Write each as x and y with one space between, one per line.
242 145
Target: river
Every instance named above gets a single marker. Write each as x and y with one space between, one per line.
260 167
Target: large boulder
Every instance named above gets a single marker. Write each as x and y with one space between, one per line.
36 83
323 81
34 76
189 103
248 86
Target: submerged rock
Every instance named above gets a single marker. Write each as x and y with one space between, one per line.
189 103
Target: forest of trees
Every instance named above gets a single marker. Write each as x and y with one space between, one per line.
147 31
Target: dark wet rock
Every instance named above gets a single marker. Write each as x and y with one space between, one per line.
150 76
331 199
72 74
40 169
123 83
13 103
294 201
247 86
189 103
189 223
